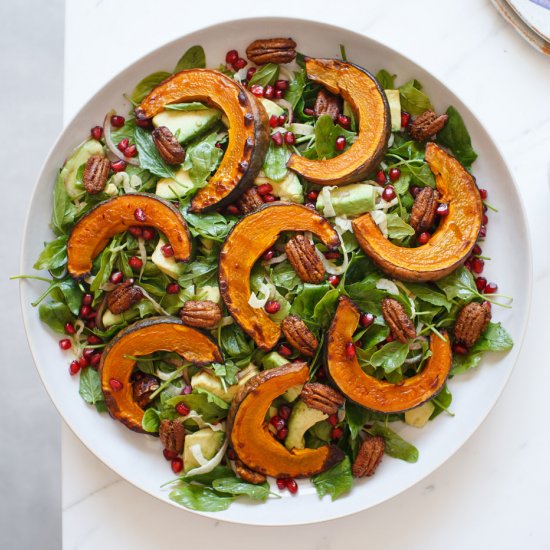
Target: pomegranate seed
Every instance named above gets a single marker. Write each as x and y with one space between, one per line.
350 350
366 320
183 409
477 265
491 288
332 255
93 339
177 465
83 362
333 419
443 209
284 350
405 118
116 277
313 195
85 311
485 219
292 486
231 454
481 283
167 250
281 119
74 367
483 232
340 143
483 194
274 121
279 94
232 209
281 84
257 90
380 177
218 145
139 215
308 111
88 353
135 263
310 205
131 151
290 138
268 92
268 254
389 193
123 145
334 280
148 233
87 299
394 174
116 385
173 288
65 344
143 123
460 349
390 338
344 121
336 433
414 191
97 132
282 433
118 166
468 265
169 455
95 359
231 56
117 121
135 231
484 208
240 64
281 484
264 189
277 139
272 306
284 412
278 423
476 250
269 198
250 73
423 238
186 390
69 328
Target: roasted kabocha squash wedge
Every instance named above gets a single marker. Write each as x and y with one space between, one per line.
143 338
248 130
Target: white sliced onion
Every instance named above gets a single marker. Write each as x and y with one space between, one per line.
142 255
414 359
276 259
226 321
343 223
285 74
286 105
164 376
379 217
391 139
255 302
109 141
387 285
328 209
89 279
197 418
196 451
417 343
211 464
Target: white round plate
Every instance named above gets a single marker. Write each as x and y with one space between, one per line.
137 458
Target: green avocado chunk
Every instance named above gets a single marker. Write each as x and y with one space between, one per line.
79 157
187 125
301 420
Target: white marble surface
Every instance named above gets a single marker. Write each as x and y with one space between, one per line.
494 492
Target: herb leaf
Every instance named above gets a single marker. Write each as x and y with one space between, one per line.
334 482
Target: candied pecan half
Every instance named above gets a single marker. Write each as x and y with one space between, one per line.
250 476
124 296
369 456
249 201
201 314
321 397
426 125
327 104
304 260
299 336
172 435
168 146
271 50
96 173
424 209
471 322
397 319
143 385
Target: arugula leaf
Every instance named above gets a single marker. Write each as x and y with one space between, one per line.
202 158
193 58
274 166
151 421
200 498
334 482
214 399
296 88
397 228
407 150
90 386
356 417
56 315
396 446
494 338
53 255
227 371
459 284
267 74
236 486
385 79
413 99
455 136
390 356
430 295
367 296
143 88
149 156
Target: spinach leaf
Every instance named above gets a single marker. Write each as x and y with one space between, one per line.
390 356
356 417
203 271
430 295
53 255
90 386
200 498
397 228
283 276
407 150
459 284
307 299
226 371
455 136
234 342
325 308
267 74
375 335
366 296
209 411
420 173
385 79
296 88
143 88
334 482
211 225
151 421
149 156
211 398
70 293
209 477
442 401
56 315
413 99
463 363
274 166
396 446
494 338
235 486
64 210
193 58
202 158
326 134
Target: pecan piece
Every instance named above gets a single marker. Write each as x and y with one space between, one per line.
304 260
250 476
299 336
327 104
249 201
168 146
201 314
271 50
143 385
96 173
172 435
471 322
424 209
322 397
426 125
397 319
124 296
369 456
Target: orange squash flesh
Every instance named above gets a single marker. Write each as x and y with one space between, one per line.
92 233
361 90
451 243
143 338
374 394
248 130
255 445
248 240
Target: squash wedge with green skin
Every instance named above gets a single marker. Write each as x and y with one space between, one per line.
143 338
248 130
247 241
368 100
453 240
374 394
251 439
94 230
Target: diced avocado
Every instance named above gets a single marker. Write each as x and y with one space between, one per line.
271 108
292 393
109 318
349 200
213 384
394 102
187 125
169 266
209 442
301 420
170 188
111 189
288 189
419 416
272 360
79 157
211 293
246 374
